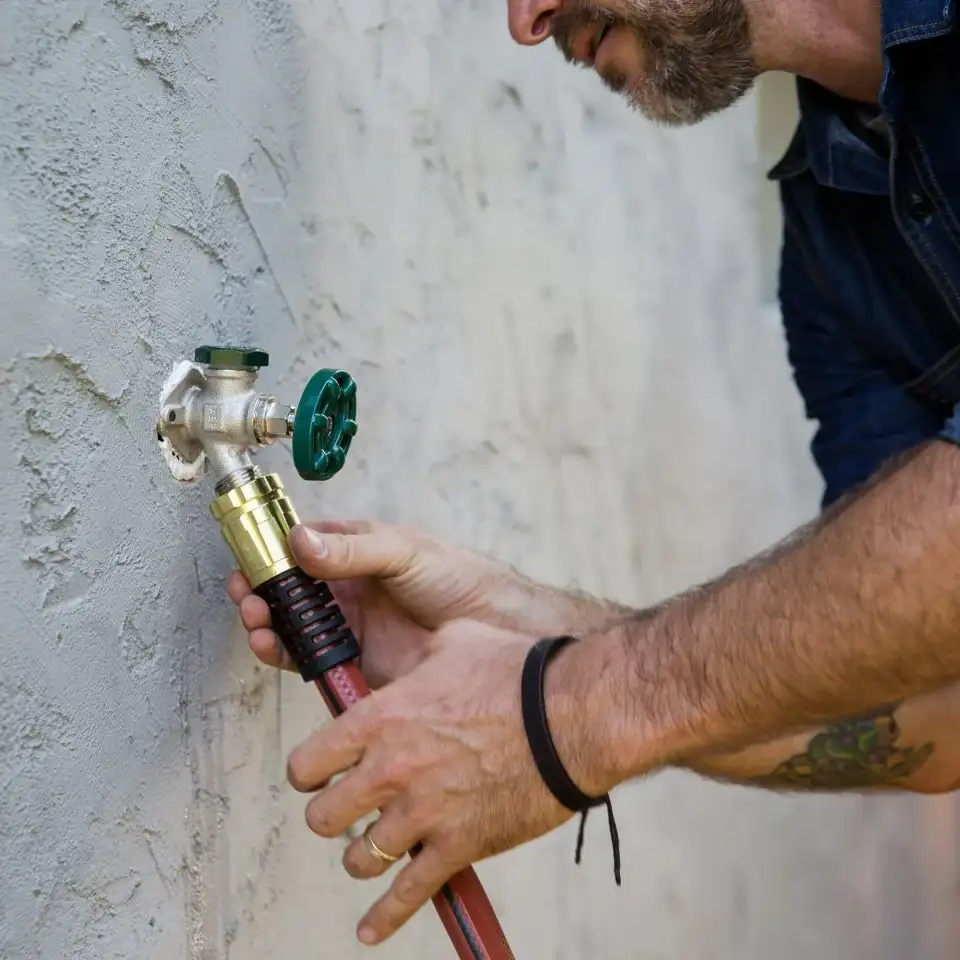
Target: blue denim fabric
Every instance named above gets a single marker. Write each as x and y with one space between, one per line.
870 264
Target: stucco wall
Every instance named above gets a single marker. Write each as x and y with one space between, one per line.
552 310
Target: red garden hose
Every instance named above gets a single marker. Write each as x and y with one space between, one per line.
316 635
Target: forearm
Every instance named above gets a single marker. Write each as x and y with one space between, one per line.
911 746
524 605
860 609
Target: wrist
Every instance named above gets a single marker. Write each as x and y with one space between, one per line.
584 718
619 707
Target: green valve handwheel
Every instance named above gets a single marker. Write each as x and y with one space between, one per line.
324 425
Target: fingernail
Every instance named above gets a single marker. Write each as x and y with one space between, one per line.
367 935
305 539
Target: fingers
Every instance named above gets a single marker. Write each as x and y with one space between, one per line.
381 551
237 587
264 643
414 886
331 813
254 612
255 616
393 833
333 749
268 649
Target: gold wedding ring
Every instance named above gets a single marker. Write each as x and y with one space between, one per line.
374 850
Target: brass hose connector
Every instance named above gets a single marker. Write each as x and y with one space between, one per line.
256 518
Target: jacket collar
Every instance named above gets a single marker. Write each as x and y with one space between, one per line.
829 142
826 140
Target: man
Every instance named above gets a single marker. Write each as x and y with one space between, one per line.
832 661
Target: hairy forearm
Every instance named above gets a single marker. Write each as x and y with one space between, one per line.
524 605
862 608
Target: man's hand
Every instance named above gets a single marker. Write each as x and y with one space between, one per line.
396 585
442 751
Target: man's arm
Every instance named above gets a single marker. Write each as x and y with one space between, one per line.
860 609
910 746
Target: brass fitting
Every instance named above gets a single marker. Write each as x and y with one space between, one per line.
256 518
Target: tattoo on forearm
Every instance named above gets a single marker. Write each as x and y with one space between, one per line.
853 754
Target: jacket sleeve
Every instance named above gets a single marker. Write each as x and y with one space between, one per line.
863 415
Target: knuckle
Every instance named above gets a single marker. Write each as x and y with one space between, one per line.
420 814
312 551
409 891
344 551
452 841
361 797
337 555
394 771
406 809
400 549
363 725
444 842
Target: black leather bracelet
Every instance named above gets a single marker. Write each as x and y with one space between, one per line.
551 768
535 722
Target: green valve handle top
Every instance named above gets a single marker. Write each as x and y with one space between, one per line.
230 357
325 424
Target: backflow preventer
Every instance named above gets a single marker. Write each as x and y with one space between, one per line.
212 417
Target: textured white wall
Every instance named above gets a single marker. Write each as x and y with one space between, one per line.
552 310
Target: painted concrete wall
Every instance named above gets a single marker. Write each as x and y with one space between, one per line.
552 310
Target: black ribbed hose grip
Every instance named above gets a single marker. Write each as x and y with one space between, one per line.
309 623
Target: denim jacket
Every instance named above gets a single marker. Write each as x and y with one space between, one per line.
869 281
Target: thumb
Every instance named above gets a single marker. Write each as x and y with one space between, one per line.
336 556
